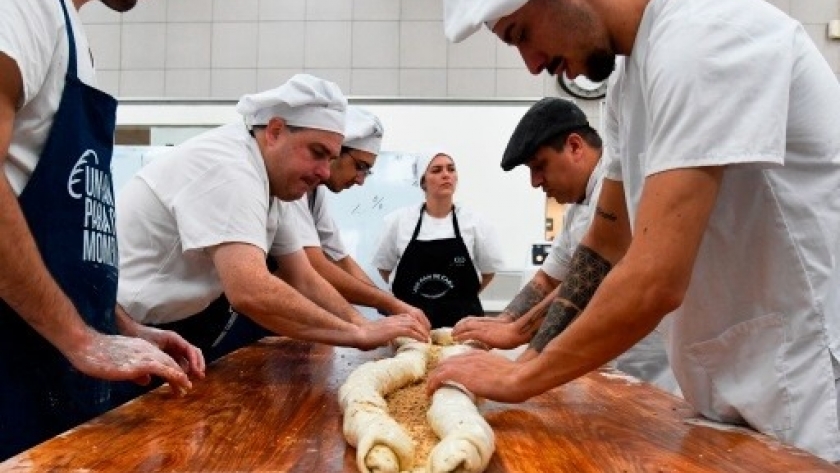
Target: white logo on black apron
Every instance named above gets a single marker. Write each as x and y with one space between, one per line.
94 185
433 286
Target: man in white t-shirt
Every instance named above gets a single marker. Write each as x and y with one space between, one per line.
719 208
564 154
202 219
317 231
58 268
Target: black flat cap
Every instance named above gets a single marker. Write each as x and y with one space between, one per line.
542 122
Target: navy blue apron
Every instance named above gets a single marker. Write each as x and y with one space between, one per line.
68 204
438 277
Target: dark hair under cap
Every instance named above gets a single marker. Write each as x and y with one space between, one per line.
543 121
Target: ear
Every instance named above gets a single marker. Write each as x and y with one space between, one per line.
576 145
275 127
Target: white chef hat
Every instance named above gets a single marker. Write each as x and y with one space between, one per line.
424 160
304 100
461 18
363 130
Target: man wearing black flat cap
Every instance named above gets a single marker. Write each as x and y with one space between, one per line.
563 152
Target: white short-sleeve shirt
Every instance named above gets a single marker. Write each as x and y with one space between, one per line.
739 84
33 34
480 239
210 190
314 224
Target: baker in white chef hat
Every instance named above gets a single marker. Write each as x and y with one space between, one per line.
204 225
462 18
299 128
318 233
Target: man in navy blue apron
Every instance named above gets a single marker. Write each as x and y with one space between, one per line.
58 252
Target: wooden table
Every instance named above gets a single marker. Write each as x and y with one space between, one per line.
272 407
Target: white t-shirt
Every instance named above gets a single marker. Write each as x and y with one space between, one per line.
575 224
739 84
315 226
210 190
479 237
32 32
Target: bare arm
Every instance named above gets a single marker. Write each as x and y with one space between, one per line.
278 306
351 288
29 289
485 280
651 278
351 267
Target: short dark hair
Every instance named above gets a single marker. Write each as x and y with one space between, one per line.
589 135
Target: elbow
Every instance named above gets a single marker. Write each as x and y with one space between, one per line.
243 302
662 298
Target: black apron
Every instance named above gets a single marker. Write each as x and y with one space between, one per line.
438 277
68 204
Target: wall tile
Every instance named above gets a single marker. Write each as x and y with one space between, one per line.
814 11
341 77
476 51
376 44
232 83
471 83
187 83
282 10
518 83
270 78
281 44
423 83
104 42
422 45
783 5
422 10
365 10
96 12
375 83
143 46
142 83
328 44
108 81
189 45
329 10
508 57
189 11
146 11
236 10
234 45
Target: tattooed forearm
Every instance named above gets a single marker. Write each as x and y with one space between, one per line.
531 323
604 214
587 271
528 297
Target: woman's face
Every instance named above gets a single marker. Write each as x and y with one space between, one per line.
440 178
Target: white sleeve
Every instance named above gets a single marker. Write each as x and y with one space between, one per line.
286 239
488 254
223 205
715 96
611 150
387 253
327 230
29 33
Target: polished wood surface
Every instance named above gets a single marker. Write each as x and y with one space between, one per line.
272 407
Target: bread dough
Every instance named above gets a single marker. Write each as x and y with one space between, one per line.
382 445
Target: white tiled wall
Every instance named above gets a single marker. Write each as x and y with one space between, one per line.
382 48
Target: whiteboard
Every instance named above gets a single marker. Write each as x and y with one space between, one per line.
474 133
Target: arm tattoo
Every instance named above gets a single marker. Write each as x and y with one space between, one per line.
587 271
528 297
604 214
532 323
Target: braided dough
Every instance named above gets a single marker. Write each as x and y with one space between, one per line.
382 445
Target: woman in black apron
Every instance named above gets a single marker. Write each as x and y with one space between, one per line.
438 276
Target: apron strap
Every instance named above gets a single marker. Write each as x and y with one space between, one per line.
71 41
455 224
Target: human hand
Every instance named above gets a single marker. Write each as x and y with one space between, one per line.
187 355
490 331
420 316
483 374
120 358
379 332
